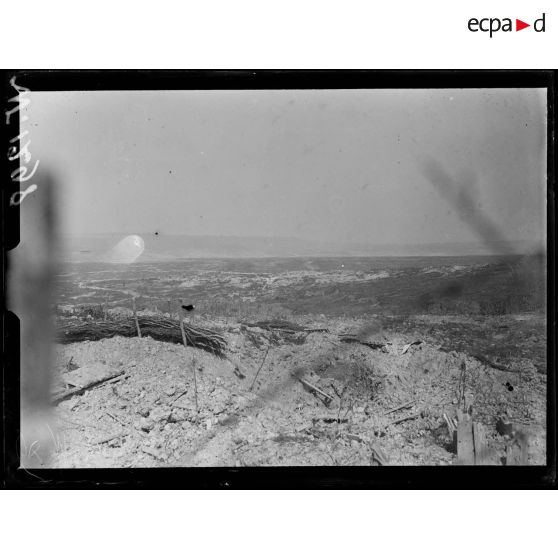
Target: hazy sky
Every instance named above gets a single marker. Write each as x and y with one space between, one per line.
344 165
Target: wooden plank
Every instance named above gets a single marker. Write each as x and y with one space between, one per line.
517 451
513 454
524 451
136 316
481 449
465 444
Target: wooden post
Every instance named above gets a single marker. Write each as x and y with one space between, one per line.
465 445
261 366
479 438
517 450
513 455
195 382
180 318
136 316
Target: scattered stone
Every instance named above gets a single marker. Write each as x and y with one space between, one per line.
289 412
147 424
160 414
222 419
152 452
177 415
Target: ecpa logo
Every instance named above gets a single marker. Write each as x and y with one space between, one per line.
492 25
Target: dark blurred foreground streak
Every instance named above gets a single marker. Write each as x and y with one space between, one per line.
461 194
32 268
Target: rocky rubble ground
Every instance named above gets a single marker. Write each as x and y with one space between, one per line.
147 417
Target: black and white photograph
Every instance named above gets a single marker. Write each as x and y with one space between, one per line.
242 277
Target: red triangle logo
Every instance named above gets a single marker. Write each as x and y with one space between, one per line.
519 25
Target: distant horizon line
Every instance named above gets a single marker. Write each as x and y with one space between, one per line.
307 256
353 242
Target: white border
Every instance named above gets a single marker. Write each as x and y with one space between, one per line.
274 34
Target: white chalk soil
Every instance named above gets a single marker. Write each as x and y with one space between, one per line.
183 407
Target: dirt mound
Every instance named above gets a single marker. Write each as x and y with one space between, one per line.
383 406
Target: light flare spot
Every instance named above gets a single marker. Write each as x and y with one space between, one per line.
127 251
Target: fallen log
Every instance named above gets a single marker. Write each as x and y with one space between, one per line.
82 389
404 406
492 364
280 325
313 388
409 345
330 420
403 419
108 439
351 339
298 373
